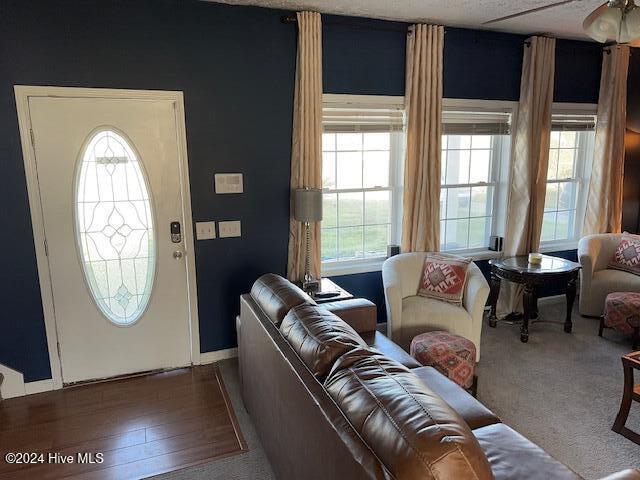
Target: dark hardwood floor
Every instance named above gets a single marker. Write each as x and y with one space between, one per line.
142 425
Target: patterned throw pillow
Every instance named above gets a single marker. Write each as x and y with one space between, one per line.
627 255
443 278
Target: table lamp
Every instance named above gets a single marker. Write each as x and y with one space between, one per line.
307 208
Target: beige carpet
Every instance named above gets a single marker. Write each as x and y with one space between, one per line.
561 390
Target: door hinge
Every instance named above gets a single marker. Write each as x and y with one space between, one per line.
46 248
33 138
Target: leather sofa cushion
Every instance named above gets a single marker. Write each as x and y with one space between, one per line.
410 428
360 313
319 337
513 457
277 295
471 410
390 349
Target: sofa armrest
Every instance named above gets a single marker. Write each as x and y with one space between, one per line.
630 474
360 313
393 300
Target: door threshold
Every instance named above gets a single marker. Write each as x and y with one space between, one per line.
125 376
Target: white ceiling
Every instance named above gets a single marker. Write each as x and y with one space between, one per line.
561 21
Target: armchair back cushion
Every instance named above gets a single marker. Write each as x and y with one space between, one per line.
627 255
444 278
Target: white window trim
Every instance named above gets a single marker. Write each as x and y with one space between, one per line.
582 179
362 101
375 264
372 264
500 175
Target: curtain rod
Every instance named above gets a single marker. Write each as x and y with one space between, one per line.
289 19
606 48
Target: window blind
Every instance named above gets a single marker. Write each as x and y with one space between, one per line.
475 123
362 114
573 123
337 120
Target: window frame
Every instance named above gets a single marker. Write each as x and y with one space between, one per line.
500 169
396 174
581 178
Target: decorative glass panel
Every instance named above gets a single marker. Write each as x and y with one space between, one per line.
114 227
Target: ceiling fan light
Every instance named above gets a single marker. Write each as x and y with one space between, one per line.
603 24
632 22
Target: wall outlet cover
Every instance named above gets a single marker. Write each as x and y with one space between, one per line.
230 229
205 230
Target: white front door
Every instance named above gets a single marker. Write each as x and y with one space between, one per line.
109 180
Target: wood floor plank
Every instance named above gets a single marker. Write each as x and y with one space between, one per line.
142 425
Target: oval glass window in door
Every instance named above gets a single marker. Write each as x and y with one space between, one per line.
114 226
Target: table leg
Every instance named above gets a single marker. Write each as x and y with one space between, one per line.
625 405
527 304
493 301
571 296
534 307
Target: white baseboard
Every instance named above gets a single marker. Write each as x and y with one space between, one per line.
39 386
12 383
211 357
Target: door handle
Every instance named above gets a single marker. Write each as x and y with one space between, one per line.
178 254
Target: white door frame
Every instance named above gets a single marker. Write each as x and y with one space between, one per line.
22 94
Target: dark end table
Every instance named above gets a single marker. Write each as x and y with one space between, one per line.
552 270
329 286
631 392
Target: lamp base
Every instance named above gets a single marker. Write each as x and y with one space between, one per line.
310 285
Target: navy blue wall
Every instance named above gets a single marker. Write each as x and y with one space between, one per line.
235 66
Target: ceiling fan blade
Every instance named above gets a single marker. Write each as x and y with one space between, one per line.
527 12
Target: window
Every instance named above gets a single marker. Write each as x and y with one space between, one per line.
114 227
362 146
570 155
475 151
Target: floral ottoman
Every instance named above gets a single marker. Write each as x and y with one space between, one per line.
452 355
622 313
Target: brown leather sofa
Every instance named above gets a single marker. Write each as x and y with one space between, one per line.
332 398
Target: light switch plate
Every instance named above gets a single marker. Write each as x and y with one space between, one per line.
205 230
230 229
228 183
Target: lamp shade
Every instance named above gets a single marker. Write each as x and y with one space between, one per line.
307 204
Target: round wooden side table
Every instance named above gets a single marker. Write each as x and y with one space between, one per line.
552 270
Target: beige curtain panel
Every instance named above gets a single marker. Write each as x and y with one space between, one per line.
604 202
421 203
530 153
306 151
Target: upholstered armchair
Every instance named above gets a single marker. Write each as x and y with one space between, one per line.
409 315
596 280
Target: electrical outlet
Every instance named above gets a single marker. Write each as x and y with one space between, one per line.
230 229
205 230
